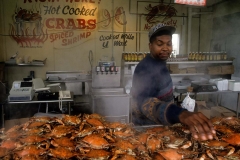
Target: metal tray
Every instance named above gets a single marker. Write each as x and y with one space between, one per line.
145 127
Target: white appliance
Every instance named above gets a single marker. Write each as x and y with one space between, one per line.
21 91
108 98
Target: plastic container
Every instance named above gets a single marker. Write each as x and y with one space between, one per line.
234 85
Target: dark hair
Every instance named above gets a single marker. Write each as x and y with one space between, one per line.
160 33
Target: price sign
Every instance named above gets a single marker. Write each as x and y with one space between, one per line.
192 2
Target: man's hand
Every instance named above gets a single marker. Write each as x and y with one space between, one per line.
199 125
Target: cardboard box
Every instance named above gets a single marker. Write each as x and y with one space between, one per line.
214 70
219 111
13 122
227 69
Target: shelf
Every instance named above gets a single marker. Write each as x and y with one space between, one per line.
199 62
200 93
188 74
25 64
188 62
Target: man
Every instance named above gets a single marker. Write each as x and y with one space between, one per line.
152 89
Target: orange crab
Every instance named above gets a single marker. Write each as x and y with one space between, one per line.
172 141
10 144
167 153
33 139
94 141
71 120
153 143
62 152
31 150
128 132
96 123
122 147
97 154
233 139
3 151
61 130
63 142
218 148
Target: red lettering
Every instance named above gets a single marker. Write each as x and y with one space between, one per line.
60 23
91 23
81 24
88 34
71 24
48 23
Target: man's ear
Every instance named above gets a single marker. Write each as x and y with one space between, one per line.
150 46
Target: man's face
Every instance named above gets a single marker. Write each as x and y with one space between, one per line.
161 47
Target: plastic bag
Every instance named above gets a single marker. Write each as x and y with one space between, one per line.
188 103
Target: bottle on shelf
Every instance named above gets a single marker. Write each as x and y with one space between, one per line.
225 56
204 56
129 57
189 56
136 57
140 56
210 56
125 56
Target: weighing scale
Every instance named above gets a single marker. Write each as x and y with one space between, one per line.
204 87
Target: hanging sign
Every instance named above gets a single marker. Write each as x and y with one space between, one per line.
192 2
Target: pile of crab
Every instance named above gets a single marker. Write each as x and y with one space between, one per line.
90 137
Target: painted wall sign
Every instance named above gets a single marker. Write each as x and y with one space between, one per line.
192 2
118 18
160 13
64 25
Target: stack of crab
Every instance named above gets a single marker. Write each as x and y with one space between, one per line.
91 137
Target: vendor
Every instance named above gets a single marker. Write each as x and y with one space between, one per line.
152 89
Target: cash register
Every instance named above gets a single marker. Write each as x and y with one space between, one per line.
21 91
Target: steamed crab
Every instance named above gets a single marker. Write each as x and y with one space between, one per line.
33 139
218 148
61 130
153 143
233 139
62 152
63 142
71 120
122 147
30 150
172 141
93 141
97 154
10 144
178 154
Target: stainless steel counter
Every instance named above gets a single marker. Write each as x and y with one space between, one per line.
111 103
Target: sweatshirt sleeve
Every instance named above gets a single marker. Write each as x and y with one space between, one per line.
160 111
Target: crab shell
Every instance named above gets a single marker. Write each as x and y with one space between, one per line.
95 141
168 154
63 142
233 139
95 123
33 139
214 144
31 150
61 130
71 120
153 143
10 144
62 152
98 154
3 151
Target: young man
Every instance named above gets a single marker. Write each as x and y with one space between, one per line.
152 89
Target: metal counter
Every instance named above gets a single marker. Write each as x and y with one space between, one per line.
111 103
